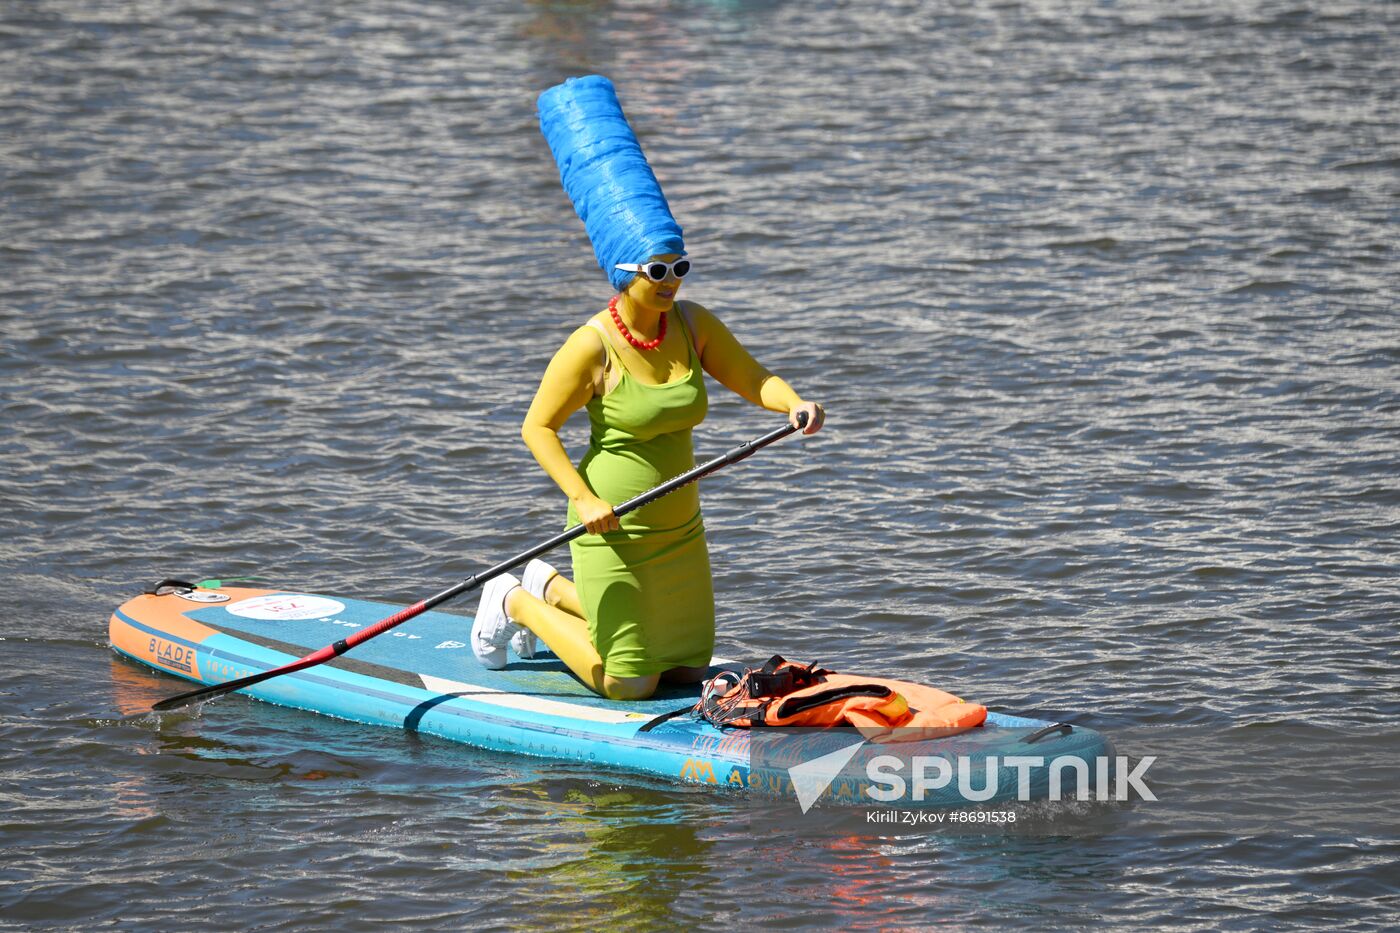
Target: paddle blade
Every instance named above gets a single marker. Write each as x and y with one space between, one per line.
218 690
191 698
203 693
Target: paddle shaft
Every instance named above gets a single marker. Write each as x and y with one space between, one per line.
325 654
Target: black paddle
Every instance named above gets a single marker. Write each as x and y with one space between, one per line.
470 583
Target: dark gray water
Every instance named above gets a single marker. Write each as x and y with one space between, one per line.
1100 298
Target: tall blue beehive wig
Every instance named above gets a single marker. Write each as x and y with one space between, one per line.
606 175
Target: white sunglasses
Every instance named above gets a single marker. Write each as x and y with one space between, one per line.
656 270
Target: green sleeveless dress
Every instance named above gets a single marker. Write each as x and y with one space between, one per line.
646 590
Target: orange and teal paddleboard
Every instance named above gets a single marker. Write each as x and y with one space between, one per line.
422 676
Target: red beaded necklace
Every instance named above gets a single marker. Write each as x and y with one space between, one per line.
622 329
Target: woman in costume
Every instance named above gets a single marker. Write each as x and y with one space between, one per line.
641 606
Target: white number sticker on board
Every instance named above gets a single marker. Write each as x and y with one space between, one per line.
292 607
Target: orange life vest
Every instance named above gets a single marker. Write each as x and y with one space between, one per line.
781 693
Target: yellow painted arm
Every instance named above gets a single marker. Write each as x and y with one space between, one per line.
566 387
724 358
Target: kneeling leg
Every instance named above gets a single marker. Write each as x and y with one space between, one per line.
567 636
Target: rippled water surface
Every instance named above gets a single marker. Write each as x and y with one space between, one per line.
1100 298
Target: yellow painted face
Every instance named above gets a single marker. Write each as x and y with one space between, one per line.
658 296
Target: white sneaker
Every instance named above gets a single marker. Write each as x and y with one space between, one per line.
492 628
534 580
523 643
536 577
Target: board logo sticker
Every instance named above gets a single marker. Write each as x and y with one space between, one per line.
291 607
168 654
202 596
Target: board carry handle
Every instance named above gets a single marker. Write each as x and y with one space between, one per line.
1062 728
170 585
